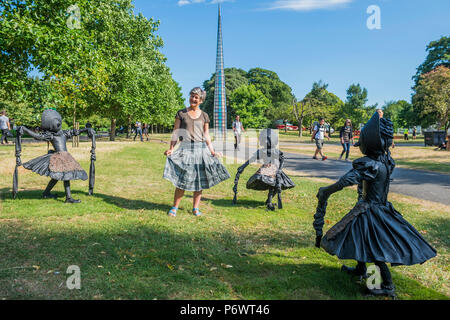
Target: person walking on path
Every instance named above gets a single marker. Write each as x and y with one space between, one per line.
346 136
5 127
194 166
138 126
237 129
319 133
414 133
406 134
146 130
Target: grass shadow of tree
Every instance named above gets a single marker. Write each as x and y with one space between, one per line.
124 203
145 263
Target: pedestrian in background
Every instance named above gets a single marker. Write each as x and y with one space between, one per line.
319 133
146 130
138 127
5 127
346 136
237 129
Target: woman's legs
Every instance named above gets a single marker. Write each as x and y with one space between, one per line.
179 193
343 150
347 150
197 198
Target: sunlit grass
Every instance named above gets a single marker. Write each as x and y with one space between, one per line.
128 248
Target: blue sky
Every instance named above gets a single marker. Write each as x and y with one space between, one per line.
303 41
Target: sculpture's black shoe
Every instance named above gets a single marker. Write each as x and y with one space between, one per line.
354 271
71 200
271 206
387 291
49 196
318 240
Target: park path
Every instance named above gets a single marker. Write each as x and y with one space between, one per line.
431 186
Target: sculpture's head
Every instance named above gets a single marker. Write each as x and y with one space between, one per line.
51 120
376 136
268 139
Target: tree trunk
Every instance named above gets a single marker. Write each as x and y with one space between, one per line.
300 127
129 127
74 138
112 135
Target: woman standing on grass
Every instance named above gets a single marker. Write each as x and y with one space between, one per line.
194 165
346 135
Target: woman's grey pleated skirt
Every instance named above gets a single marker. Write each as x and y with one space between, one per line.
192 167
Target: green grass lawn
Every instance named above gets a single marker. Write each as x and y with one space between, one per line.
128 248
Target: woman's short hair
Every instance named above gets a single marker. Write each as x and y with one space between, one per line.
200 92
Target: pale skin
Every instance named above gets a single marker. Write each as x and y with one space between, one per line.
312 139
194 112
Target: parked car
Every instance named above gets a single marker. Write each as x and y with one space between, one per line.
288 125
280 124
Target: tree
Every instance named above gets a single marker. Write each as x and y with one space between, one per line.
303 109
234 78
325 104
250 104
400 113
432 98
355 107
438 55
279 93
109 64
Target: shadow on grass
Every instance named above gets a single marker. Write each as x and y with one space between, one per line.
147 262
130 204
228 203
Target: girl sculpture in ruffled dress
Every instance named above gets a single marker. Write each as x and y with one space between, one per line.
58 164
270 176
373 231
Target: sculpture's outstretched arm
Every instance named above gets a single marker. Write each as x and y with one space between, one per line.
37 136
350 178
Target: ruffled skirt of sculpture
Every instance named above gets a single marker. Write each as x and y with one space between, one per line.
379 233
57 165
265 178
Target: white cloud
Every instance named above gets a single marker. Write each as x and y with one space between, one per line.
307 5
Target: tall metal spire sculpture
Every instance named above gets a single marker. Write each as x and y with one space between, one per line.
220 99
